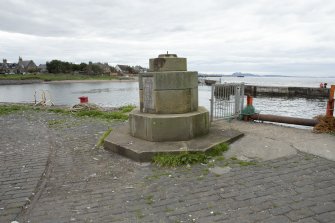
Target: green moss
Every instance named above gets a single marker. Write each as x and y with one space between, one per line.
246 163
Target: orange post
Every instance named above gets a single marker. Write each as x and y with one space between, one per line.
330 104
249 100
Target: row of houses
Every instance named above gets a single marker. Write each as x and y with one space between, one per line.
21 67
29 66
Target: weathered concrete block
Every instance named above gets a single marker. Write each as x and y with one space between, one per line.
169 127
167 64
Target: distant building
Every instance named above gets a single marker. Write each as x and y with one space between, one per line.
26 66
122 69
42 68
139 69
8 68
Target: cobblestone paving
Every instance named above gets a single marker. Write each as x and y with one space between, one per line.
85 184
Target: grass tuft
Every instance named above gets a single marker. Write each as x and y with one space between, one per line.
103 137
188 158
127 108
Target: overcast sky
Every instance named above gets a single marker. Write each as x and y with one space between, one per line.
288 37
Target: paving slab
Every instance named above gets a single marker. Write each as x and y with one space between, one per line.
120 141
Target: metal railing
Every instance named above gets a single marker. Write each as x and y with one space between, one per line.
226 100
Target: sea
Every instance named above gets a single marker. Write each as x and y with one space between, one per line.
119 93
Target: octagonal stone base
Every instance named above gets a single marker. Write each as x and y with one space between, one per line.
169 127
120 141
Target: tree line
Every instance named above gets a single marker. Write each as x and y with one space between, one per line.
58 66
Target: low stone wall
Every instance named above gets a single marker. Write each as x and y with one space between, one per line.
287 91
16 82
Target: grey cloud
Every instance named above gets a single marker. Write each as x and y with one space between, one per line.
251 36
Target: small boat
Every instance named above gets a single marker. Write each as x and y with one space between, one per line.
210 82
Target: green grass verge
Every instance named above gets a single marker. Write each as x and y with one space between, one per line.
7 109
53 77
188 158
106 115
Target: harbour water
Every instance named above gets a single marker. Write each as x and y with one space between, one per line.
115 94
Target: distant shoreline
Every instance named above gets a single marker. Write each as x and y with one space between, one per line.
21 82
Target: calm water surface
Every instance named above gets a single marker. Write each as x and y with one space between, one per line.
114 94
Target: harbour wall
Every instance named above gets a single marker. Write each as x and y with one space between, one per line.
274 91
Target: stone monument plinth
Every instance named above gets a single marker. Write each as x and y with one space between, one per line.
168 103
168 119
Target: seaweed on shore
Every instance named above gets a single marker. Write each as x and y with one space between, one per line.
326 124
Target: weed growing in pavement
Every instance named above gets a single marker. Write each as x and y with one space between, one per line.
139 214
168 209
103 137
246 163
149 200
188 158
53 123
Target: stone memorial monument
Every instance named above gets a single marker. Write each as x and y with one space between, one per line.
168 119
169 108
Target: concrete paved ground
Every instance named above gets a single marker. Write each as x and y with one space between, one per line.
83 184
265 141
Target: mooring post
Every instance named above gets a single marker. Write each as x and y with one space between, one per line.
330 104
249 100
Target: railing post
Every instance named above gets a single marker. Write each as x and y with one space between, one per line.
212 101
237 90
242 95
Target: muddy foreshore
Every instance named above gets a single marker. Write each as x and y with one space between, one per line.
17 82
